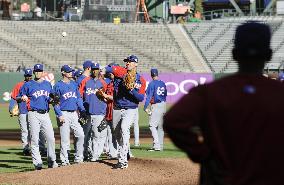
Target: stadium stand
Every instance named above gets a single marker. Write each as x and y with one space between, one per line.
215 41
157 45
105 43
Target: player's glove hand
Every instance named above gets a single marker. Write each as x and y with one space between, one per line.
54 99
60 121
83 118
148 111
103 125
24 98
15 111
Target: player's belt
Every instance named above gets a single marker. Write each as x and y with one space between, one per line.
40 111
69 110
119 108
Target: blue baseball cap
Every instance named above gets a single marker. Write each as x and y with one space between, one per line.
131 58
28 72
66 69
87 63
95 65
154 72
112 64
78 73
38 67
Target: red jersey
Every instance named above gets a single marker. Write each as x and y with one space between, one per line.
16 89
109 109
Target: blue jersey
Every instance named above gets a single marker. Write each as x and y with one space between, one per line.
124 98
156 92
70 99
38 94
92 104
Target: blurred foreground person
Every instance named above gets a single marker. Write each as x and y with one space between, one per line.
233 126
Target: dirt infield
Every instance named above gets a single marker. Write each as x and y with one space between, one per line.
140 171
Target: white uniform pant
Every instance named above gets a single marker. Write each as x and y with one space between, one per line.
71 122
111 142
122 120
99 138
156 124
41 122
136 128
25 134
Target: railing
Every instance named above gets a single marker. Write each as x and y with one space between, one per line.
222 13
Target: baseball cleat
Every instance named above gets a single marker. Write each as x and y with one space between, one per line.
38 167
26 152
94 160
52 164
78 162
120 165
65 164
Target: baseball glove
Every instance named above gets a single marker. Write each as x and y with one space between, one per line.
83 118
55 99
148 111
100 94
129 80
15 111
103 125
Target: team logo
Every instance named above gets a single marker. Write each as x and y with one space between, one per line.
69 95
137 85
90 91
41 93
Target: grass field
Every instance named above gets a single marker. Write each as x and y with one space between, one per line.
8 123
12 160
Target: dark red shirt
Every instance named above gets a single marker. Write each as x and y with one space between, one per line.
109 109
241 120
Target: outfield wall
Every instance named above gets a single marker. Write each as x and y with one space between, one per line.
178 84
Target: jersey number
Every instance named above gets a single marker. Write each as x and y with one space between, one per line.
161 91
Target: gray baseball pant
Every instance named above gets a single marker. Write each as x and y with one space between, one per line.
156 124
23 122
122 120
136 128
111 141
41 122
87 128
99 138
25 134
71 122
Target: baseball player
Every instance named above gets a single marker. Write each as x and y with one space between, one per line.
23 117
81 82
156 95
77 74
84 77
37 91
111 142
96 108
66 111
126 100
